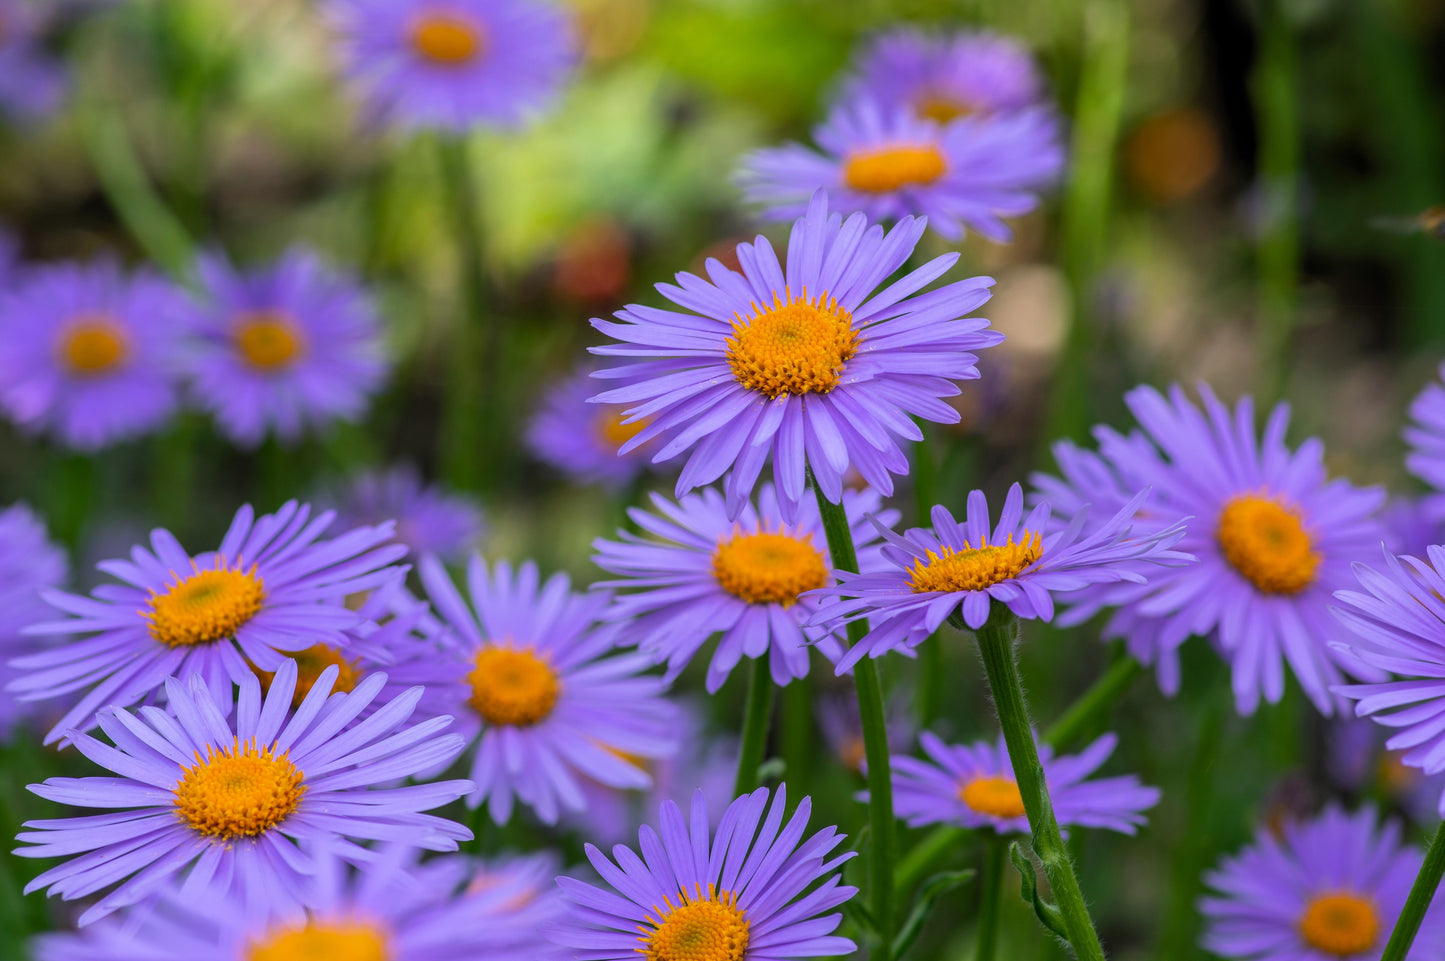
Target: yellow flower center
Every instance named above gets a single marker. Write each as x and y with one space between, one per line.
513 687
207 606
340 941
766 568
975 568
1394 776
942 108
708 927
795 347
447 39
614 432
883 170
238 792
995 796
268 340
1267 543
93 344
309 665
853 752
1341 924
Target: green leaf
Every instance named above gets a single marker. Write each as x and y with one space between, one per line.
932 889
1048 914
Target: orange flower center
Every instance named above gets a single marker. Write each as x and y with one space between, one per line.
268 340
1340 923
513 686
797 346
310 663
975 568
238 792
767 568
614 432
883 170
995 796
1267 543
316 941
700 927
447 39
205 607
941 108
93 345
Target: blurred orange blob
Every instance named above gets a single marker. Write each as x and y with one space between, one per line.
1174 154
594 264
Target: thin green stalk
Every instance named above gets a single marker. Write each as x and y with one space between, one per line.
996 641
798 729
994 858
934 847
875 741
1278 248
1095 701
1422 892
756 715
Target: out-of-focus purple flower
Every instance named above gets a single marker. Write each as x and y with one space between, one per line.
945 77
972 786
29 564
812 366
888 163
1425 436
741 889
454 64
1323 889
1411 525
842 728
1359 762
429 520
581 439
278 350
32 81
88 355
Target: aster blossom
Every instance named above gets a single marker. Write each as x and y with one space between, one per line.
973 786
288 347
1273 534
696 573
228 802
964 568
1359 763
274 587
1425 438
89 355
810 365
580 439
32 81
1322 889
735 893
889 163
454 64
531 676
429 519
30 563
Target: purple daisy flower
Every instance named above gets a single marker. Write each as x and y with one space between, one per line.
1322 890
1273 534
526 671
890 164
283 348
1425 437
88 355
942 78
696 573
228 802
581 439
1359 762
1411 524
29 565
813 366
273 588
429 520
32 82
11 267
454 64
972 786
739 891
965 567
842 727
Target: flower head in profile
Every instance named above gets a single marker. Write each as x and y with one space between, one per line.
276 351
1327 888
966 567
811 366
272 589
32 80
1274 536
970 73
30 563
532 679
231 797
88 354
429 519
968 174
581 439
741 893
972 786
695 573
454 64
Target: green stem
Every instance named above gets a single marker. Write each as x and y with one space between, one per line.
995 855
996 641
925 854
875 740
755 726
798 729
1421 894
1093 702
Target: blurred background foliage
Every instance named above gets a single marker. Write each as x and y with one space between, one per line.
1230 161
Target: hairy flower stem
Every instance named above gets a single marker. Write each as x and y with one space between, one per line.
1421 894
994 859
996 641
875 741
755 726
